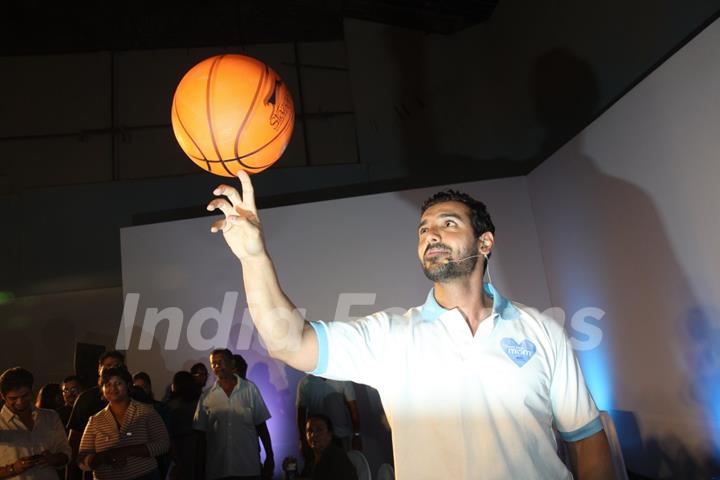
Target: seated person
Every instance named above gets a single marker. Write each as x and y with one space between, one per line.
328 461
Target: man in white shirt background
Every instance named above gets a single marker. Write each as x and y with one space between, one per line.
231 415
33 443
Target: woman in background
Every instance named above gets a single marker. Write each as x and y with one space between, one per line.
123 439
50 397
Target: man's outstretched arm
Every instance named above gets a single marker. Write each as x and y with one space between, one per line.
285 333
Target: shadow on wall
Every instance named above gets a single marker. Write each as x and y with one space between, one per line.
565 93
563 86
412 112
151 361
605 244
666 457
423 157
280 401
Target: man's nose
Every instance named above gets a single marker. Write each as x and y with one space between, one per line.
433 235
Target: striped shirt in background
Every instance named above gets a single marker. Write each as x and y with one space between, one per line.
141 426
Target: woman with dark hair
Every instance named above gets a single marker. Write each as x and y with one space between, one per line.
123 439
184 394
328 461
141 381
50 397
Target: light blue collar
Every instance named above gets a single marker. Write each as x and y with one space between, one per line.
431 310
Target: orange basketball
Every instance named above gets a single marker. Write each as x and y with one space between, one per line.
232 112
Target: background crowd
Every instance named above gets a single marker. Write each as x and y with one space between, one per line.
119 429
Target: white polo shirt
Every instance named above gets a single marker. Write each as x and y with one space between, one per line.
229 424
464 406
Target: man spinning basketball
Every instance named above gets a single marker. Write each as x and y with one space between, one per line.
472 383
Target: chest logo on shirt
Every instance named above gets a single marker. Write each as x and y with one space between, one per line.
518 353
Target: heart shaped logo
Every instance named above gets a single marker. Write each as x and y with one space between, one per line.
518 353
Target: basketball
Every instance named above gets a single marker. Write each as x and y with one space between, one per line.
232 112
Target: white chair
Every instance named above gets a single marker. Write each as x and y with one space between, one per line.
385 472
361 464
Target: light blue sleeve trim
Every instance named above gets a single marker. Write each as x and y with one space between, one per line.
583 432
322 338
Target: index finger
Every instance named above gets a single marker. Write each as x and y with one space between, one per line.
248 193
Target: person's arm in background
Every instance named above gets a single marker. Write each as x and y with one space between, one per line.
590 458
269 464
283 329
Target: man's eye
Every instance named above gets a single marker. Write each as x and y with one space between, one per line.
449 223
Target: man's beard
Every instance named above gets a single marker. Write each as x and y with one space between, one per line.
439 269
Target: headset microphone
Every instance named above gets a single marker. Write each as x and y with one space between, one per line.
485 243
447 260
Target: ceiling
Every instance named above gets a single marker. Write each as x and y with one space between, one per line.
577 57
62 27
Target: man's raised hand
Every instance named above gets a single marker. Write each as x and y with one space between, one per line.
241 225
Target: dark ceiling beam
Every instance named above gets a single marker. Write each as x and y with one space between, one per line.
65 27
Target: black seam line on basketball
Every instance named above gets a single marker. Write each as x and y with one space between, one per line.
208 87
249 111
177 114
224 161
238 159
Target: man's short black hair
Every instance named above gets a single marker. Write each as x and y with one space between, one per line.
241 365
14 378
71 378
197 367
112 354
144 377
223 351
324 418
120 372
479 216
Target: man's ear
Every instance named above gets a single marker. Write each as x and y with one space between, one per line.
486 242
